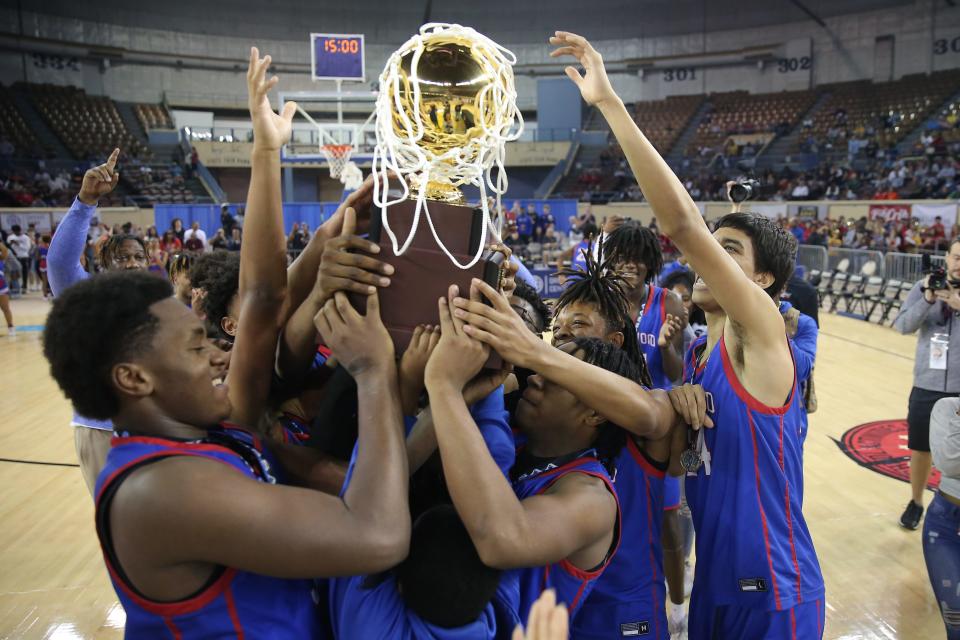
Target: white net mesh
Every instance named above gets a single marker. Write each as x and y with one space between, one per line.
337 155
472 163
351 176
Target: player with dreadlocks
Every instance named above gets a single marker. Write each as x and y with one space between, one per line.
595 305
633 253
631 590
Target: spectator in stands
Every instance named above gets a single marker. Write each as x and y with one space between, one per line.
20 244
195 238
170 243
233 242
219 240
227 220
297 239
801 191
524 227
176 225
936 372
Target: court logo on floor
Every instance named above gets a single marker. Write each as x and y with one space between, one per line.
882 447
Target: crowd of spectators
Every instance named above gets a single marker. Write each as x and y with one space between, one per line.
900 236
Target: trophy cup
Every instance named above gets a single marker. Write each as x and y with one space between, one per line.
446 109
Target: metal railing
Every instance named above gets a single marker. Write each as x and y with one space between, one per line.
908 266
858 258
812 258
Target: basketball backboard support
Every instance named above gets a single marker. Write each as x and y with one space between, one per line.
334 118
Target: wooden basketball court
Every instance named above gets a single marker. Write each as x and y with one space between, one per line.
53 583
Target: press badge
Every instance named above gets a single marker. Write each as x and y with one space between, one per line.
939 345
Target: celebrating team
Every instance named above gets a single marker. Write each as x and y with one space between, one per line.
277 489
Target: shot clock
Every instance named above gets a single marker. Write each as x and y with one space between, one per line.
337 56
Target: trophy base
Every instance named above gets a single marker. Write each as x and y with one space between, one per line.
424 273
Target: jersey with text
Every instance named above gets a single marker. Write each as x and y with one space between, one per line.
753 545
651 319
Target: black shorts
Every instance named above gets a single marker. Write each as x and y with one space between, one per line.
918 417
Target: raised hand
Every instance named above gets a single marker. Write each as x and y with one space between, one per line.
510 268
672 325
100 180
341 270
594 86
457 357
498 325
270 131
360 343
413 363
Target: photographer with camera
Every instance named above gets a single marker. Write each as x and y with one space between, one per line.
931 309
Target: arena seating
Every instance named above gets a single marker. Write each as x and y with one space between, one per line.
13 127
664 120
153 184
739 112
153 116
884 112
87 126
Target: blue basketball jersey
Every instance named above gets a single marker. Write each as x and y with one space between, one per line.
651 319
628 599
753 546
572 584
234 604
580 256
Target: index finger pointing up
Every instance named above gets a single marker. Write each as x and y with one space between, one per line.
112 160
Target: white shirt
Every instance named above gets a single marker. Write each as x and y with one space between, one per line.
20 245
189 233
801 191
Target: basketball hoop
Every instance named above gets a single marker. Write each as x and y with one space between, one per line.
337 155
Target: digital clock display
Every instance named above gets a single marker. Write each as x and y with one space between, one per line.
337 56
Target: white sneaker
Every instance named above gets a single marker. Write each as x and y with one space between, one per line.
677 620
687 579
11 332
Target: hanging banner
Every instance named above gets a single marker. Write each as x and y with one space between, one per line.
927 214
889 212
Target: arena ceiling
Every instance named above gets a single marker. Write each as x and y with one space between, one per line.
392 21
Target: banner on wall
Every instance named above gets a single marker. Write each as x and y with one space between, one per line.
928 213
546 283
41 221
808 211
889 212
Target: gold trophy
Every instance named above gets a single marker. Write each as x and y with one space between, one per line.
446 109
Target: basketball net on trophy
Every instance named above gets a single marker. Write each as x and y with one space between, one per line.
432 159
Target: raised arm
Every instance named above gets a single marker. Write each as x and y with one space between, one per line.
746 304
68 243
508 533
263 261
625 403
340 269
303 272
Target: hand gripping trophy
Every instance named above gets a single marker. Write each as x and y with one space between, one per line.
446 109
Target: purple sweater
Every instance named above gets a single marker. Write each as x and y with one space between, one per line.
63 270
